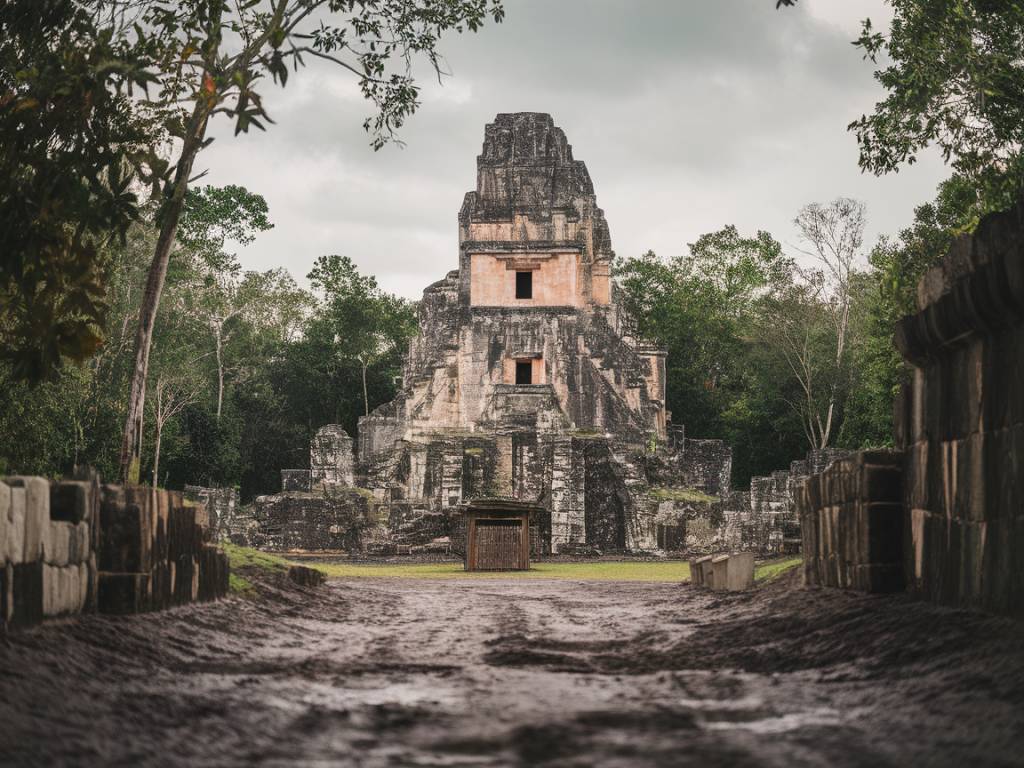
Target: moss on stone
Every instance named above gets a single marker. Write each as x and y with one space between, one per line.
691 495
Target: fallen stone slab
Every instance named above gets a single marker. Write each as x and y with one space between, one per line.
697 569
719 572
306 577
739 572
707 572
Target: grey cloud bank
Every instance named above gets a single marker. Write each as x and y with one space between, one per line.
689 115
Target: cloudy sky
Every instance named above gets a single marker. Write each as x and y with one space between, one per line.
690 115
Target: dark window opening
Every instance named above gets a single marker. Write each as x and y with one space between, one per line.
524 371
524 285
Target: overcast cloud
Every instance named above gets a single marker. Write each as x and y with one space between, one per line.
690 115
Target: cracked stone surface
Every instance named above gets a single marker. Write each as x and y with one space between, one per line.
377 672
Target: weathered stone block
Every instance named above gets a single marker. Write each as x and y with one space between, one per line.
884 524
56 544
36 507
720 573
62 590
27 593
697 567
123 593
739 571
6 593
5 520
71 501
125 539
881 483
330 457
707 573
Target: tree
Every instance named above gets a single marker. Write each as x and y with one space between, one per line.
71 143
172 395
954 79
703 308
366 326
212 217
214 55
834 234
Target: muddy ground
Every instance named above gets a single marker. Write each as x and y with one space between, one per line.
504 672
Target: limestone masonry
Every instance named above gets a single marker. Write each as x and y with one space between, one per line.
525 382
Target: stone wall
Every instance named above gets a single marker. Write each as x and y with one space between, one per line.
335 519
73 547
961 420
851 519
222 508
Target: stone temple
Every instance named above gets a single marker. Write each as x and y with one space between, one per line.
525 382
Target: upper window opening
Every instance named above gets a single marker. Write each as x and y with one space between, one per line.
524 371
524 285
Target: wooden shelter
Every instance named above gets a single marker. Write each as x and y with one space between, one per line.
498 534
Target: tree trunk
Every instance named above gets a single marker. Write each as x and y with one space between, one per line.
366 397
131 442
156 453
220 370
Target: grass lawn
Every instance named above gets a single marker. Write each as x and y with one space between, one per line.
600 570
244 560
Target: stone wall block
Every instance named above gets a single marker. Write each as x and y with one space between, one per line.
885 533
124 547
92 584
57 544
6 527
881 483
6 593
998 563
123 593
27 593
916 477
1003 478
969 502
71 501
36 513
813 487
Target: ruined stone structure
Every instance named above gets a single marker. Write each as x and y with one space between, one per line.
525 382
852 523
76 546
957 532
962 422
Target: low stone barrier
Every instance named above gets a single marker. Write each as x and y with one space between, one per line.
74 546
697 570
851 519
733 572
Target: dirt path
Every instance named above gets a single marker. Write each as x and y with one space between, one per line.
473 673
